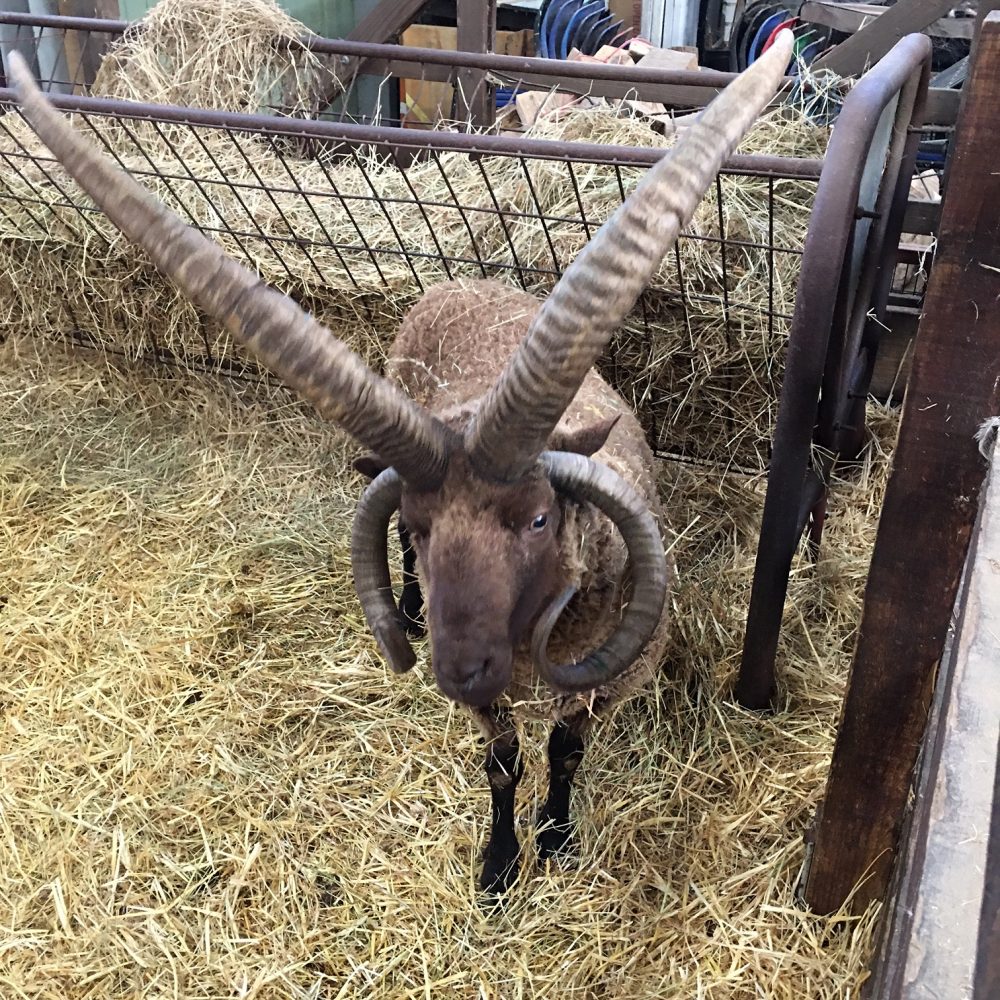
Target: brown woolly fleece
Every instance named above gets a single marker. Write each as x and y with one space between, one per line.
450 350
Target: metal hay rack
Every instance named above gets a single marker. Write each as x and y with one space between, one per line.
847 259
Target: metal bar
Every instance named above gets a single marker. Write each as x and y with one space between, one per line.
474 94
785 167
927 519
830 230
504 64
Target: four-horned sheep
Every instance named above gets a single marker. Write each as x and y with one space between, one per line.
524 485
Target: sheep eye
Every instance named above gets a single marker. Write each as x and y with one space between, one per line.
539 522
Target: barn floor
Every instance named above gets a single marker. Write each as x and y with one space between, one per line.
210 787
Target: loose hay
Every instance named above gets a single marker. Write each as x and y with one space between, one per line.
226 55
211 786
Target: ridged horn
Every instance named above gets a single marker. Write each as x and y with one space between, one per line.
370 562
304 354
599 289
588 481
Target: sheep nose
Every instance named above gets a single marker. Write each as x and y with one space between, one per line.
472 674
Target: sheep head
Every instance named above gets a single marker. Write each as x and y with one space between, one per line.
491 480
491 563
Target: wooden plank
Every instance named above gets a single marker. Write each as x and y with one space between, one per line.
931 499
895 355
942 106
940 954
953 76
930 929
923 217
850 17
385 21
477 28
382 24
864 48
85 50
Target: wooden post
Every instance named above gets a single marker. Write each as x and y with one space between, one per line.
927 517
474 95
865 47
940 916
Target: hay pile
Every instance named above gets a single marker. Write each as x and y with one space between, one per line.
211 787
704 376
226 55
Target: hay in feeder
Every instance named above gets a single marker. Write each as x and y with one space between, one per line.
225 55
212 787
356 241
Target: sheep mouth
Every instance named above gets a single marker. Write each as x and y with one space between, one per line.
479 690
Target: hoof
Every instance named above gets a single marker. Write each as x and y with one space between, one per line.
554 839
499 874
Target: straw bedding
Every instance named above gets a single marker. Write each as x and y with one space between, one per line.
211 786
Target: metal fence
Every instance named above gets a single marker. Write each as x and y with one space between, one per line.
394 228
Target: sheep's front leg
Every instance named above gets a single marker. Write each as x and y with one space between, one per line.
411 601
566 744
503 770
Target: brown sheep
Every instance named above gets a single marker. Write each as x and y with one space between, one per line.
509 460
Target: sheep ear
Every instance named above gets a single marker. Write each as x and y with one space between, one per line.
584 441
369 466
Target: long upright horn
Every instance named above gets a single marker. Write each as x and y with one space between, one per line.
304 354
600 287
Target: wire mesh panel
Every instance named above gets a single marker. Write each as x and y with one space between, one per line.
356 222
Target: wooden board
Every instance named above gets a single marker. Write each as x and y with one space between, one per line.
477 29
431 101
864 48
850 17
927 517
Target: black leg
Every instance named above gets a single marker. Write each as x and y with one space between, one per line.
411 602
565 754
504 770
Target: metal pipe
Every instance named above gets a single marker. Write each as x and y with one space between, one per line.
829 235
348 132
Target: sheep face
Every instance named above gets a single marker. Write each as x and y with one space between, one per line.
490 562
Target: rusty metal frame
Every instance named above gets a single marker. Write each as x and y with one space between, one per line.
823 375
826 375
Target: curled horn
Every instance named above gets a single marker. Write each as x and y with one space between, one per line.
370 562
304 354
588 481
600 287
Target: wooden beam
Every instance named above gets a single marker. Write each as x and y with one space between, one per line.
937 957
931 924
864 48
953 76
381 24
474 95
922 217
942 106
927 517
385 21
851 17
85 50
